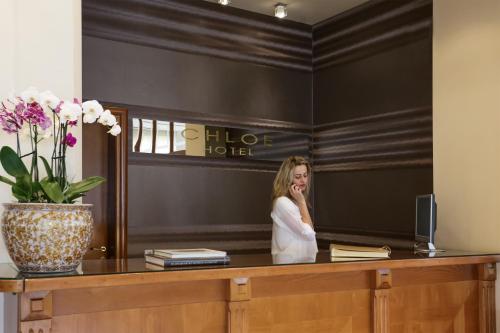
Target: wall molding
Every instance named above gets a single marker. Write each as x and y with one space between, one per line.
244 238
398 139
202 162
229 237
213 119
326 236
200 229
226 32
368 29
389 140
284 142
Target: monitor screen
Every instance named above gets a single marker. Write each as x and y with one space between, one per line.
425 218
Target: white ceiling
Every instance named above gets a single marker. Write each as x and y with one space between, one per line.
305 11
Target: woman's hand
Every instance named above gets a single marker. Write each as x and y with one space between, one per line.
296 194
299 198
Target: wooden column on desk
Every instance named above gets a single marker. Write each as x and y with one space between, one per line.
487 275
36 312
381 293
238 303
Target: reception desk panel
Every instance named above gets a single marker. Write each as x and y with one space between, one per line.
433 275
298 284
453 292
191 306
193 317
435 299
82 300
336 302
340 311
435 308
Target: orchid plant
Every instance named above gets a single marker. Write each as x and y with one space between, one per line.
43 116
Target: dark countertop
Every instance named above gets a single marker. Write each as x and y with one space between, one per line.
138 265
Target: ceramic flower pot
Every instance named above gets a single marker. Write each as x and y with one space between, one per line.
47 237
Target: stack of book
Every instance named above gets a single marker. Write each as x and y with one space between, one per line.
340 252
183 257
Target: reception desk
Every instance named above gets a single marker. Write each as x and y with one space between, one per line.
450 292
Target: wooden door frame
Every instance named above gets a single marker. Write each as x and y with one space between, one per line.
121 189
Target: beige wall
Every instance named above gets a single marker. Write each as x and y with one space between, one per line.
467 123
466 120
41 47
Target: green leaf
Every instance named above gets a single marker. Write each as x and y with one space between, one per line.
12 164
83 186
19 194
74 197
50 174
22 188
7 181
53 190
23 183
36 187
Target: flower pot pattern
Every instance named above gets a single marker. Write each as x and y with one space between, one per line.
47 237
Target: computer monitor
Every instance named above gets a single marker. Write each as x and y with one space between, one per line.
425 225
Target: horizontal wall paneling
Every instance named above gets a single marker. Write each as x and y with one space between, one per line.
203 28
363 76
215 119
236 238
392 139
368 29
286 137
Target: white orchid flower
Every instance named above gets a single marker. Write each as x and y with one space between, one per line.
115 130
107 119
30 95
69 112
103 118
89 118
48 100
112 120
24 133
92 108
46 135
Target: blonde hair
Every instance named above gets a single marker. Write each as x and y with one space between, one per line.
284 178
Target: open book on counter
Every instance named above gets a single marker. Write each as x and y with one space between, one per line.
352 251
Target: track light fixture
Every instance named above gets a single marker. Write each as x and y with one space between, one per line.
280 10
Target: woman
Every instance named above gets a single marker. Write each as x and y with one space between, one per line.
294 239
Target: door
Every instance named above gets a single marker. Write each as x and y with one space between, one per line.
106 156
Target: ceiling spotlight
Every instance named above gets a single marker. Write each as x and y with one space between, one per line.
280 10
224 2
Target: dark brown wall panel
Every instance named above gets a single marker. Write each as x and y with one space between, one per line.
196 204
373 117
384 140
374 202
197 60
130 74
198 196
201 27
392 80
205 63
368 29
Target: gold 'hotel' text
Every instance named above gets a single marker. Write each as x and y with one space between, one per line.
220 147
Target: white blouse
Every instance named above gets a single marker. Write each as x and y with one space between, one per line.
293 240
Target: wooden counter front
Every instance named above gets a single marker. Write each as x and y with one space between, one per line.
453 292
